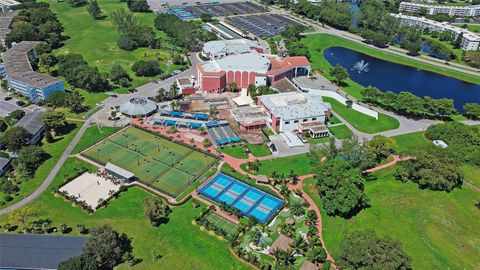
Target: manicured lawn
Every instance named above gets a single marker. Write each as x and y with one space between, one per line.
317 43
259 150
180 244
318 140
96 40
411 141
234 151
471 26
438 230
363 122
341 132
472 174
93 135
300 164
55 150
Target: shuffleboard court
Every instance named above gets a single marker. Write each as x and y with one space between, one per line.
159 162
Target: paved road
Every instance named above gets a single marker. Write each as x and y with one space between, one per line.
43 187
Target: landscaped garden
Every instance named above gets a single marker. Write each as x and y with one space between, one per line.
363 122
437 229
300 164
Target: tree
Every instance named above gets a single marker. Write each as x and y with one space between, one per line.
76 3
299 245
472 110
156 211
47 61
173 92
15 138
441 50
206 17
161 95
22 216
431 169
28 160
297 208
106 247
74 101
146 68
317 255
124 20
78 74
138 5
341 188
17 114
53 120
56 99
232 87
382 147
94 9
117 74
339 74
372 95
365 250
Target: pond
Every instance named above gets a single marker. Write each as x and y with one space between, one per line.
388 76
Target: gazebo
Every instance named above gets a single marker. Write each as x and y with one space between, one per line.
138 107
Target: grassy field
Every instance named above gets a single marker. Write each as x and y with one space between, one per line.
234 151
341 132
438 230
181 244
55 150
259 150
300 164
96 40
472 174
317 43
93 135
410 141
471 26
165 165
363 122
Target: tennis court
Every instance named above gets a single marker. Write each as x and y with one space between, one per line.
220 222
163 164
249 200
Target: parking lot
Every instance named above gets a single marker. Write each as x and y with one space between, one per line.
262 25
221 10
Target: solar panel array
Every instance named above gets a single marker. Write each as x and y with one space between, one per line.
262 25
222 10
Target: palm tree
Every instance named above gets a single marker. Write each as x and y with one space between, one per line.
202 130
161 95
175 105
173 92
251 256
284 189
293 176
213 112
299 245
297 208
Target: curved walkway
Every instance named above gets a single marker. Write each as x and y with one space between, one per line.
396 159
48 180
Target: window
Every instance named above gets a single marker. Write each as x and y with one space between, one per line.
296 121
313 119
288 122
305 120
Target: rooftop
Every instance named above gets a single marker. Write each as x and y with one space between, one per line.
282 243
4 162
120 171
247 114
5 22
31 121
29 251
294 105
138 106
233 46
18 66
243 62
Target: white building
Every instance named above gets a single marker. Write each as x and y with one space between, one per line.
454 11
286 111
220 48
470 41
6 5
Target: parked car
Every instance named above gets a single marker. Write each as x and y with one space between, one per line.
7 98
20 103
114 95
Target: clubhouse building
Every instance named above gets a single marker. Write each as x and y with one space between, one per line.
249 68
220 48
20 76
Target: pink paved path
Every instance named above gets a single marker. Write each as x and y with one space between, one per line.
396 159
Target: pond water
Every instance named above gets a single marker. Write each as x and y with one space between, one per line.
388 76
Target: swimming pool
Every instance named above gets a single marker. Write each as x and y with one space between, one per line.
249 200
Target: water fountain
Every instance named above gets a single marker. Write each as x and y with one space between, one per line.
361 66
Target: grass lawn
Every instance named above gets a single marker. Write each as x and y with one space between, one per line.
317 43
55 150
235 151
363 122
300 164
341 132
181 244
472 174
93 135
96 40
438 230
318 140
411 141
471 26
259 150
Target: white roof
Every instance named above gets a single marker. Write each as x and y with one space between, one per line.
138 106
233 46
9 3
294 105
243 100
120 171
242 62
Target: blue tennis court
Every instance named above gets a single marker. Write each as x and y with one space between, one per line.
182 13
249 200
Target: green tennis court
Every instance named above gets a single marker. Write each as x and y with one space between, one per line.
220 222
166 165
